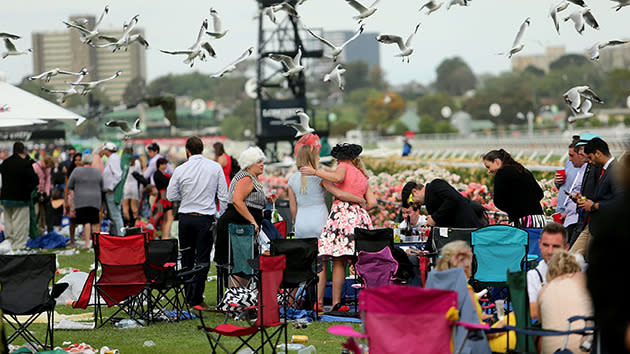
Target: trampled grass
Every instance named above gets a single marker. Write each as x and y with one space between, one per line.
176 337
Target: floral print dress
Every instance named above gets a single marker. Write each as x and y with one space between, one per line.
337 238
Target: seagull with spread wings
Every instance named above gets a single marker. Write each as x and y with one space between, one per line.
593 52
518 45
573 97
218 31
431 6
301 127
9 36
553 13
125 39
11 50
198 49
292 64
232 66
64 93
127 130
87 35
91 85
364 12
620 4
580 17
270 11
47 75
405 47
337 75
583 112
336 50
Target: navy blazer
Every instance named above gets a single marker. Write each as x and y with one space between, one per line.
607 193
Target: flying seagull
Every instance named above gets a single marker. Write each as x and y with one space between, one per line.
620 4
336 50
80 75
293 64
431 6
518 45
87 36
270 11
301 127
593 52
9 36
232 66
218 31
64 93
583 112
337 75
47 75
456 2
11 49
581 16
553 13
91 85
573 97
125 128
364 12
197 49
405 47
125 39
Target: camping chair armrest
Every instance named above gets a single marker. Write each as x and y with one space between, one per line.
58 289
345 331
577 318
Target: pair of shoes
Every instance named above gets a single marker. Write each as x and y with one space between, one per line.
340 307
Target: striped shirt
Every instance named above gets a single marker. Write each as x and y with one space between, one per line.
257 198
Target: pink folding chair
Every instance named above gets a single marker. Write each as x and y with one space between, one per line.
376 268
415 317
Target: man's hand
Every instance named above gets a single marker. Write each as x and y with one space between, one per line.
430 221
586 204
559 179
109 191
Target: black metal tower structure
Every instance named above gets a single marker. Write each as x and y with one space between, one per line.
277 96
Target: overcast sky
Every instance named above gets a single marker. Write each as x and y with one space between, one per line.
475 33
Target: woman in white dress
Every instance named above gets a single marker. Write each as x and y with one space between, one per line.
131 192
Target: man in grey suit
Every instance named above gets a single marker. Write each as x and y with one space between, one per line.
607 191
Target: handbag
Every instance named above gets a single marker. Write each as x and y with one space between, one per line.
238 299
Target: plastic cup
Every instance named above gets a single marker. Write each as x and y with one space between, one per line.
500 307
557 217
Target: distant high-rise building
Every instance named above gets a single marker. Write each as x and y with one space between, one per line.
64 50
540 61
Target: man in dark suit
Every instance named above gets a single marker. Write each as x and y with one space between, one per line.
607 191
445 205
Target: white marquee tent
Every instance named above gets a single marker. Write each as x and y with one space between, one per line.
21 108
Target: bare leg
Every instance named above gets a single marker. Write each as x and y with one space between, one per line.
87 234
125 211
166 224
134 210
321 286
339 277
73 230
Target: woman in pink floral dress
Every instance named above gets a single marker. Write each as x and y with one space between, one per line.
337 238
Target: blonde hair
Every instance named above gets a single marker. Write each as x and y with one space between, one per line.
306 156
455 254
562 262
356 162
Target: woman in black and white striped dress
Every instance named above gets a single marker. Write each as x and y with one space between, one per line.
246 198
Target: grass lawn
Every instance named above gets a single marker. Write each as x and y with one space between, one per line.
178 337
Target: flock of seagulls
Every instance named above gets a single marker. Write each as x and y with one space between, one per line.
579 99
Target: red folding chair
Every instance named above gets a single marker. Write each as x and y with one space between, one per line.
122 282
417 318
268 323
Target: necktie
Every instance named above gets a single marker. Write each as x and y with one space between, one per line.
600 176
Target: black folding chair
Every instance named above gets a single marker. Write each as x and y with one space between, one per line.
168 302
24 281
241 248
300 276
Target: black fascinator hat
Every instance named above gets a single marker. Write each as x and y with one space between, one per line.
346 151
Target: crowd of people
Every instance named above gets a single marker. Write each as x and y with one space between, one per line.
207 195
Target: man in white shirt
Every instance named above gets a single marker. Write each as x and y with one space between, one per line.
553 237
112 175
197 183
412 216
153 150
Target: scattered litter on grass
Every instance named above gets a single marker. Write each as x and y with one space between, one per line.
148 343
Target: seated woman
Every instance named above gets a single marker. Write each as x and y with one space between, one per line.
565 295
458 254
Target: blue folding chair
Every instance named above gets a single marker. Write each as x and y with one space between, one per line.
498 249
533 252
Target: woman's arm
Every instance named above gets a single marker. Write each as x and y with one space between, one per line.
342 195
292 204
243 187
222 160
335 177
370 198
